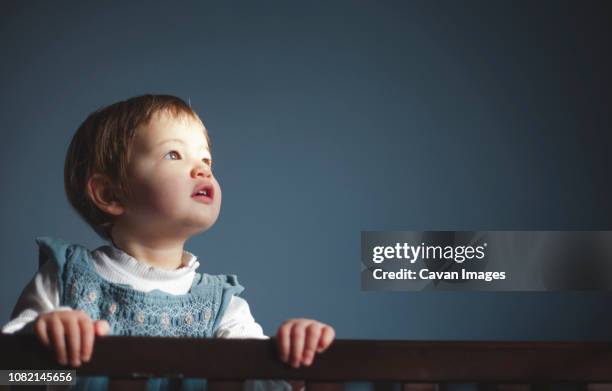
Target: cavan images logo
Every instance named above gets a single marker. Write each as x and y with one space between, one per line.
441 256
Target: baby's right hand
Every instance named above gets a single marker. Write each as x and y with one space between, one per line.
69 332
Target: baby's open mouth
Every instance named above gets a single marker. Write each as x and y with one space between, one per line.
203 193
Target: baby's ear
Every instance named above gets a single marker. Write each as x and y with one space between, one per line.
101 192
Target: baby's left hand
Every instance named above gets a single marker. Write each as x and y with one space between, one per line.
300 339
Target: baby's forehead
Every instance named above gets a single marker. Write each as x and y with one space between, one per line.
178 127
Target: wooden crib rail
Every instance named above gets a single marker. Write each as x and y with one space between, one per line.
419 365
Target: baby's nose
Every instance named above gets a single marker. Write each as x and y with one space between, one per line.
201 170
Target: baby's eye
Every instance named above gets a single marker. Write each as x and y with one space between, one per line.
173 153
207 161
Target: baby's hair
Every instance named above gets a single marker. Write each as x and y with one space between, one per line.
102 144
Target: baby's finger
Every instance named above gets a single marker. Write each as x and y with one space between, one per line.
313 332
283 337
56 334
102 327
298 332
73 337
87 337
327 336
40 327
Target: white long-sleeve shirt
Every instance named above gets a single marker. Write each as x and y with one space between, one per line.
41 295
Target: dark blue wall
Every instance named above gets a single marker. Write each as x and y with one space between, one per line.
329 119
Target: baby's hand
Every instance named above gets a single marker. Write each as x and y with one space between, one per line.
69 331
299 339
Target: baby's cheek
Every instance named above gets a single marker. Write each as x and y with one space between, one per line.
218 197
174 191
163 196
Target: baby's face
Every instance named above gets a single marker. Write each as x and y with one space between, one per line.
169 163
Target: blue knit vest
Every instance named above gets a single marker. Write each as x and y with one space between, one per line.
131 312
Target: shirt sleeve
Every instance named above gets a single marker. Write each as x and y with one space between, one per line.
237 322
40 296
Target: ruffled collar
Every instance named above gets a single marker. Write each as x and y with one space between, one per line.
124 263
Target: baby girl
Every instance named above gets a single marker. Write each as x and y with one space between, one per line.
139 172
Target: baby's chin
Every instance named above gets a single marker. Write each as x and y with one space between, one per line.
205 225
205 228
